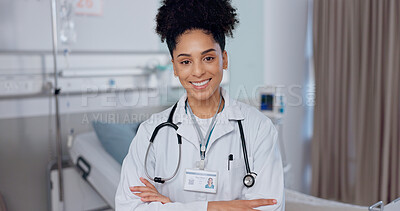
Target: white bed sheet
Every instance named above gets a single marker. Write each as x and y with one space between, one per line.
105 170
296 201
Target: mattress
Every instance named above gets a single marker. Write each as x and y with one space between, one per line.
296 201
98 167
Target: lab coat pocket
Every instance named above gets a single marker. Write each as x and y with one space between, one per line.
236 174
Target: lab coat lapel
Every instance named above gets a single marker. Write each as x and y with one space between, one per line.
188 133
222 127
227 119
185 126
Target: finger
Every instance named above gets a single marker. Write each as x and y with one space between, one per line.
151 199
141 189
147 183
261 202
156 198
145 194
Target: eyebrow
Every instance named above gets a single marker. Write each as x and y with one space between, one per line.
206 51
202 53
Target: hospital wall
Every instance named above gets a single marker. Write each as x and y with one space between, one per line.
258 55
287 64
272 47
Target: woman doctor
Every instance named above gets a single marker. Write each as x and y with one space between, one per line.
207 121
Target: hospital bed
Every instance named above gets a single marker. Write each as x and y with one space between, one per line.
96 166
300 201
102 172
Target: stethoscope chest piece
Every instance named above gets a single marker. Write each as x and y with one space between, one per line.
249 180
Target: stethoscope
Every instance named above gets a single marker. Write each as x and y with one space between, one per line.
248 180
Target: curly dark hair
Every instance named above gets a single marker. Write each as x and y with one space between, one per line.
174 17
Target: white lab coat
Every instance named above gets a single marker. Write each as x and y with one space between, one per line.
262 148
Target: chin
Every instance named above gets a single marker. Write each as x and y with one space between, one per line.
203 95
200 96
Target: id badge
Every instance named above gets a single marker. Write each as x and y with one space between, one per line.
201 181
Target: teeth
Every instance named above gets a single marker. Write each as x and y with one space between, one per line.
201 83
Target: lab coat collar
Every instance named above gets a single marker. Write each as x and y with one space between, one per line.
231 109
187 130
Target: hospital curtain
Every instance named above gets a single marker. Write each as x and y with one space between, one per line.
356 141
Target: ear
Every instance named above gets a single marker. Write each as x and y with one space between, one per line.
173 66
225 60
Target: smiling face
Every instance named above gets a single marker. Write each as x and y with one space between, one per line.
210 181
199 62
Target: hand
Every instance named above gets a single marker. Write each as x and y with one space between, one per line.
239 204
148 193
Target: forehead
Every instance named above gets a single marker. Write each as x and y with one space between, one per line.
195 41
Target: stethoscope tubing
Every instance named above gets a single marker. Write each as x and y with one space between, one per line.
244 149
168 123
159 179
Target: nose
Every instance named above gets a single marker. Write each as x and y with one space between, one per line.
198 70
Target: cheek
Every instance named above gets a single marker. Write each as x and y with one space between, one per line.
217 71
182 74
214 68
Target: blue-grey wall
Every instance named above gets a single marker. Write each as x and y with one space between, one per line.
246 50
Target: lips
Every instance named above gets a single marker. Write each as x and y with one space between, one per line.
200 84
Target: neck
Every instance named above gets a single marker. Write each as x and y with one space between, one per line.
205 109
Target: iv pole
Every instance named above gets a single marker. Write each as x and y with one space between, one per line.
56 93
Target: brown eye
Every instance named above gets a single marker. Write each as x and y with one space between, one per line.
209 58
185 62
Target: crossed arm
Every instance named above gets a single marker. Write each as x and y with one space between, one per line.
149 193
